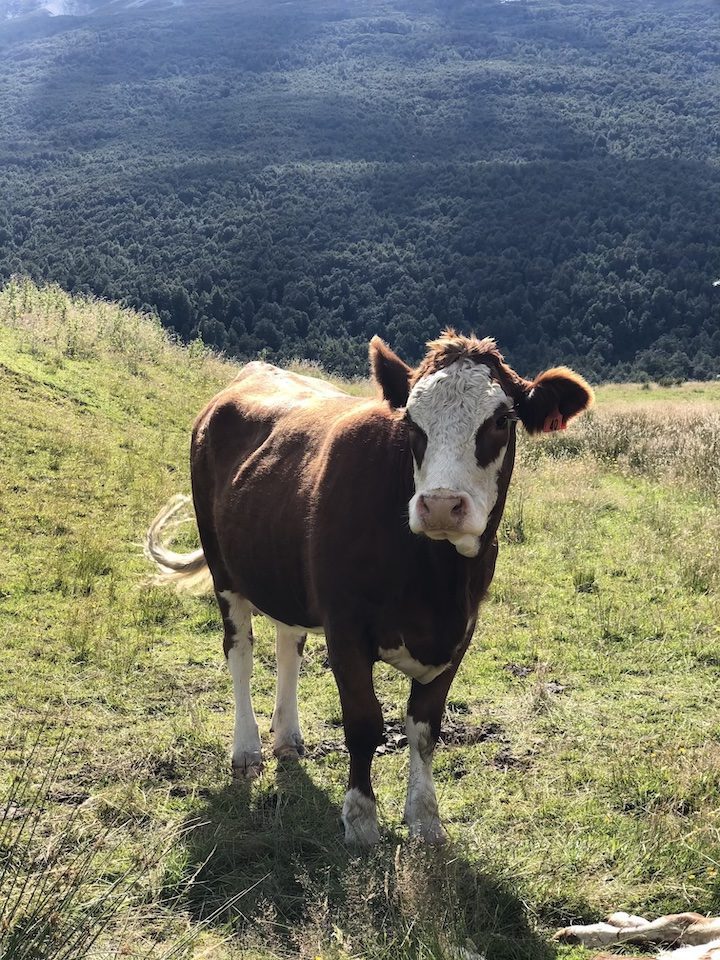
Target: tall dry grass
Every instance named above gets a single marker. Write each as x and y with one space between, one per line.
57 325
673 443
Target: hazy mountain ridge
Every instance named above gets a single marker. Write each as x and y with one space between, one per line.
295 177
16 9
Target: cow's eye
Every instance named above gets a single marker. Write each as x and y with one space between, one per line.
418 441
503 420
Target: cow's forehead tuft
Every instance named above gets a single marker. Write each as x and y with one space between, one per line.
451 347
463 384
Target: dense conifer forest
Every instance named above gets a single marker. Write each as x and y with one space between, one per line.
285 179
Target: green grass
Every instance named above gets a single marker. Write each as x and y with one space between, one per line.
592 781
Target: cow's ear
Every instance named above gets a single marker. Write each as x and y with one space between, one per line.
390 373
555 397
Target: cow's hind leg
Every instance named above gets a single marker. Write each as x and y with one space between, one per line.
238 646
285 725
363 723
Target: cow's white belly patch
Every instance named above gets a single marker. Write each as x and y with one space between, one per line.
292 626
401 658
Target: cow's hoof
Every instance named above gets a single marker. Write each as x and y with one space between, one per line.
365 834
360 819
292 748
247 766
431 832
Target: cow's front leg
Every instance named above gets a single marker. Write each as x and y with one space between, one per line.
424 716
363 723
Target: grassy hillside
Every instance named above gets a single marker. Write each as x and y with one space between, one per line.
581 760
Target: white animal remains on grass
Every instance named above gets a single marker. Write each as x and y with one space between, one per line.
692 936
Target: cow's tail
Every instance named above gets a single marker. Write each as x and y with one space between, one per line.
184 571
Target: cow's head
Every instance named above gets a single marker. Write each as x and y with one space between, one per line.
461 407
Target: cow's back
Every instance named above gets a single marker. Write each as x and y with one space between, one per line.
256 404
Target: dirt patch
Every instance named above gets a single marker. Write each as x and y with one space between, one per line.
505 760
519 669
67 794
454 732
164 768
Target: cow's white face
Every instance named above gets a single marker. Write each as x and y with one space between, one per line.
460 421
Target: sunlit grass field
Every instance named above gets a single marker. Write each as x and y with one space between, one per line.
580 769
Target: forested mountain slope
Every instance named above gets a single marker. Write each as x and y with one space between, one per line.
294 177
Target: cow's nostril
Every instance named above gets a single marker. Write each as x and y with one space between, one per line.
458 509
423 507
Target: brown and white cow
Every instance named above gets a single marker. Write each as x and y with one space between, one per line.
372 521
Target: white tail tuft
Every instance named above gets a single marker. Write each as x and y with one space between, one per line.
184 571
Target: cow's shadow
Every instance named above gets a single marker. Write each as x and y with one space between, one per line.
267 860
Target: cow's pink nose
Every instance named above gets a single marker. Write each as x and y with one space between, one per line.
442 511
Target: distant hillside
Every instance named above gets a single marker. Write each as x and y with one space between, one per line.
286 179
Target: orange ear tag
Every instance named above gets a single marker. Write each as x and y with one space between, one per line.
554 421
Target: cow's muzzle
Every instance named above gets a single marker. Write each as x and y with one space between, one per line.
442 512
447 515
